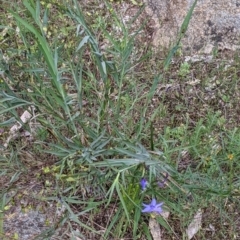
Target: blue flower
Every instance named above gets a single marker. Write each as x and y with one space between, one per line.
143 183
153 207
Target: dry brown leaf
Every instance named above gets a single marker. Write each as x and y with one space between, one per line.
154 226
195 225
155 229
25 117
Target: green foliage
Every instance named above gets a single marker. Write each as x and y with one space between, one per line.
184 69
181 34
98 124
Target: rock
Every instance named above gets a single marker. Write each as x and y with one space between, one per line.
215 24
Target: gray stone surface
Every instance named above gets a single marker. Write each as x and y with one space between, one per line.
24 225
215 23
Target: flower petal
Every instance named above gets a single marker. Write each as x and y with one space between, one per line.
159 205
152 207
153 202
143 183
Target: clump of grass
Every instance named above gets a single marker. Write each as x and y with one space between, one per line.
107 130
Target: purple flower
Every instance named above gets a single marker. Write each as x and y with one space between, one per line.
163 182
153 207
143 183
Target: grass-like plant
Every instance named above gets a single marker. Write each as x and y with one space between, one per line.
96 124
